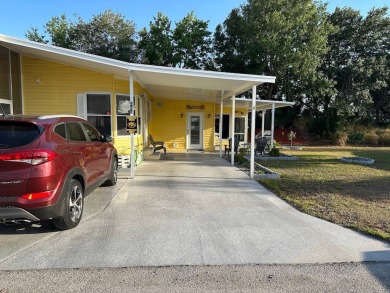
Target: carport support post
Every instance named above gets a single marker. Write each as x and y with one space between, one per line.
262 121
272 125
132 113
232 132
220 129
253 125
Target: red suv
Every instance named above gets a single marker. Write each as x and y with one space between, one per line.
48 164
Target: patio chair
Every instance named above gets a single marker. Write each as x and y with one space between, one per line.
157 145
261 145
228 149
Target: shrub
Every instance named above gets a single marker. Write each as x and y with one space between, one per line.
339 138
355 137
239 158
276 144
384 139
274 152
371 138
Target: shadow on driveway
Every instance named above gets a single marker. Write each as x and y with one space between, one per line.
379 268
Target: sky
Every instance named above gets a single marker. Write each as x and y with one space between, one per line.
17 16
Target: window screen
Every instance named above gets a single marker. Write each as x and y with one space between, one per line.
99 112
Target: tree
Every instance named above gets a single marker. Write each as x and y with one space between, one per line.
33 34
377 51
59 29
230 44
156 45
188 45
281 38
358 60
107 34
192 43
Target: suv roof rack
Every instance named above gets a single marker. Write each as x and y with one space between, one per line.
59 116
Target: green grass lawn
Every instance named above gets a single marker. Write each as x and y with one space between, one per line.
319 184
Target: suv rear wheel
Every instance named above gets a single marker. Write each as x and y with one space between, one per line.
74 204
113 174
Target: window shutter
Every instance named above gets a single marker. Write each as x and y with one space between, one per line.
81 106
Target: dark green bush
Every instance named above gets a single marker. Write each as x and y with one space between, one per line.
274 152
355 137
239 158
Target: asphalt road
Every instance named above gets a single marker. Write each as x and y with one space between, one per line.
342 277
197 214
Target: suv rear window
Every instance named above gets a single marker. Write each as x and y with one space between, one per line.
16 134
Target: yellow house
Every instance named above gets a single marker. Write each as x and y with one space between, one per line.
181 107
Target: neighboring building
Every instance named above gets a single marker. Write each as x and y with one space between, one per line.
181 107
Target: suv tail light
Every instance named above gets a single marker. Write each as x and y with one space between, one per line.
30 157
38 195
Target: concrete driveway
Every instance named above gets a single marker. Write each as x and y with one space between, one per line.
194 209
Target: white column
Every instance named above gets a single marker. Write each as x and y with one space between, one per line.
272 125
253 125
262 121
220 128
232 130
132 113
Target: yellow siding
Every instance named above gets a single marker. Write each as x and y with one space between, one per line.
52 88
122 144
167 124
122 87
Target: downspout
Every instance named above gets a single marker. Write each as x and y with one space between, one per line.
253 125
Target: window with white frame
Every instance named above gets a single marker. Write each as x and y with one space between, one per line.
239 126
99 112
123 110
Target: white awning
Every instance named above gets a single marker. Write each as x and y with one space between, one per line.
260 104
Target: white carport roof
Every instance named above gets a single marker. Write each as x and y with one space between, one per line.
161 82
260 104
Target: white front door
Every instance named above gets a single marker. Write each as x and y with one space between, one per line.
194 131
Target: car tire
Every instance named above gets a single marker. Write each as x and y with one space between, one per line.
74 205
113 174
